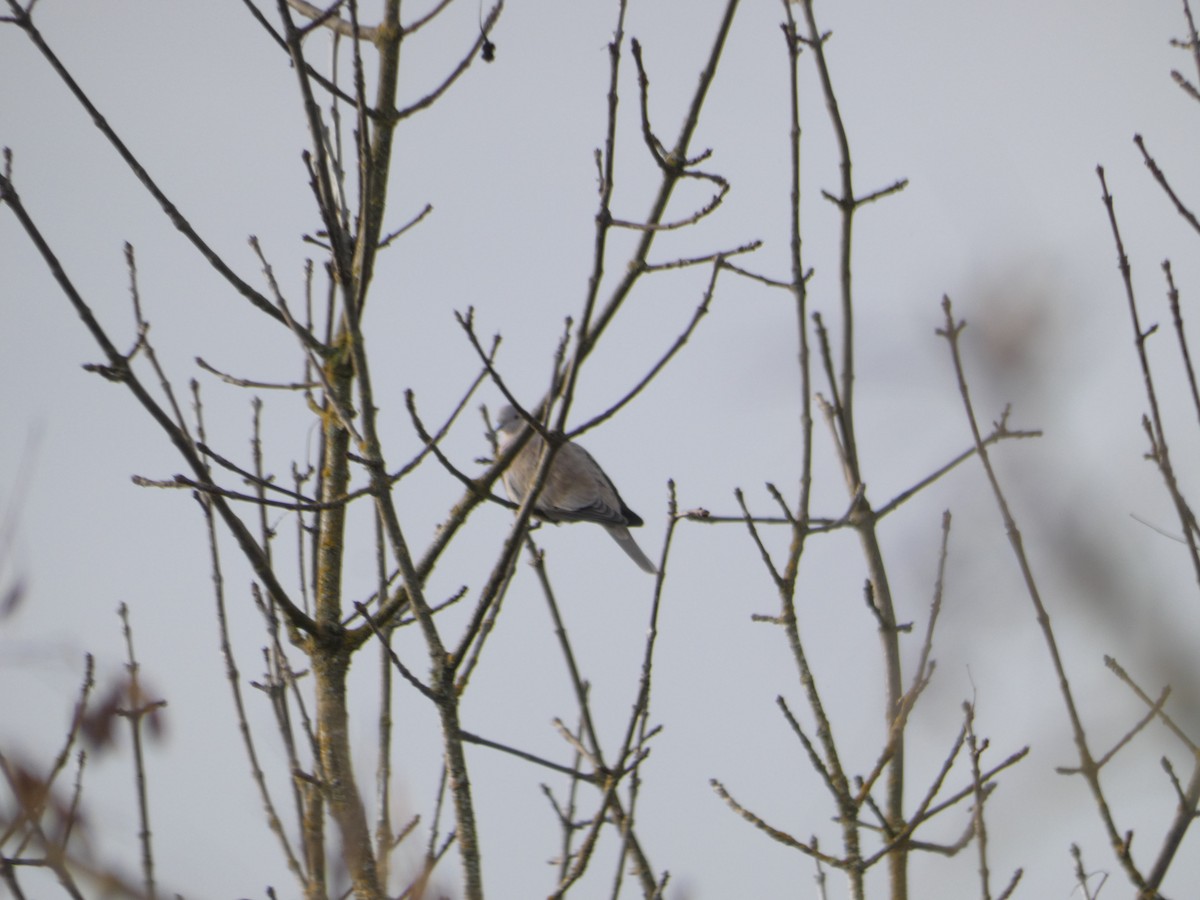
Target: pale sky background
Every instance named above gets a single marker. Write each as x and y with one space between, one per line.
998 115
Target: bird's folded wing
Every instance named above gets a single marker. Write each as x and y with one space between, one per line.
578 490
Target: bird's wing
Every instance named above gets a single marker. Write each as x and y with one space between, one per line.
578 490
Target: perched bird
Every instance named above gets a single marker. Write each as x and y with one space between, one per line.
576 488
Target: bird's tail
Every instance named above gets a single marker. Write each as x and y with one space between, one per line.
622 536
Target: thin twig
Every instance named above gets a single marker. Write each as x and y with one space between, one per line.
1161 178
138 710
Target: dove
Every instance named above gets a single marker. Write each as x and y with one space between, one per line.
576 488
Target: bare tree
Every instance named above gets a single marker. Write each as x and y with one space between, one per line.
876 821
342 507
315 629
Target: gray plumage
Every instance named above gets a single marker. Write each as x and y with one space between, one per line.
576 488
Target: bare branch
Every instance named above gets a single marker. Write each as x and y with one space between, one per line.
23 19
951 331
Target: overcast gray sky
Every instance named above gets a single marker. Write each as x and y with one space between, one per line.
996 113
